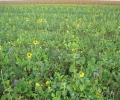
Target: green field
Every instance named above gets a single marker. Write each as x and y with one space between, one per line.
59 52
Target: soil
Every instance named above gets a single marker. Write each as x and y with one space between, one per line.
62 2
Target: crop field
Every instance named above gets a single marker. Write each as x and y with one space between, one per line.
59 52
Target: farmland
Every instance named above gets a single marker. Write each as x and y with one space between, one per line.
59 52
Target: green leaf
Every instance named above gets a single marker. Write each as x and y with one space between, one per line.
82 87
64 93
78 62
93 89
77 83
58 93
29 93
4 97
72 68
69 88
53 95
15 96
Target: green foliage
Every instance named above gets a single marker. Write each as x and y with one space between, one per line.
59 52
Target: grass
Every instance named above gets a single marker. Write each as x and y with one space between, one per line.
59 52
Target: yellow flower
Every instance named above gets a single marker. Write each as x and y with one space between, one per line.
90 22
49 87
118 26
27 19
6 24
73 79
7 34
83 99
30 82
9 19
73 50
25 74
37 84
67 31
66 19
80 19
47 83
19 98
0 47
73 36
8 82
115 21
39 20
29 55
78 25
62 22
68 26
82 74
74 88
35 42
55 14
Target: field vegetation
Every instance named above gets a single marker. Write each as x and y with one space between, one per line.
59 52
